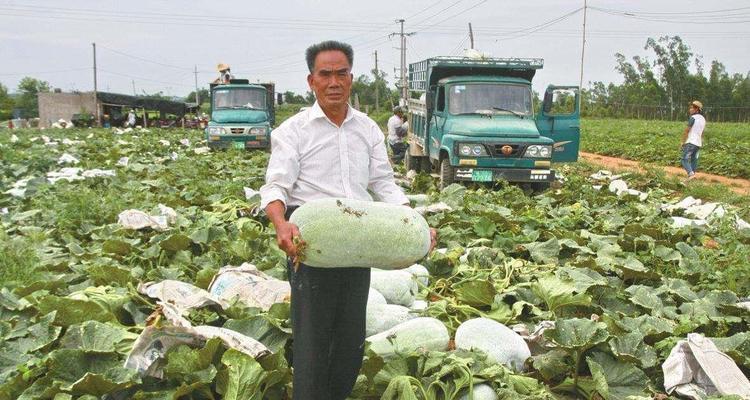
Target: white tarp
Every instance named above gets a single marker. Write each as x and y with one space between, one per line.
154 342
696 369
250 286
182 295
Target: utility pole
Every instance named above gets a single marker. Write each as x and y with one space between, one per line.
583 52
133 81
96 99
197 95
471 36
403 85
377 83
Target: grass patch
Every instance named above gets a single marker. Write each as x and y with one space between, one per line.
726 145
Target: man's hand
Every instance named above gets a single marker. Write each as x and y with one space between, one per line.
286 231
433 238
285 234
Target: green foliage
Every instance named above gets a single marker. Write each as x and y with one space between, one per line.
6 103
662 88
28 89
725 150
621 285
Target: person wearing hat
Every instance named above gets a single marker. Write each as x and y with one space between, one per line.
225 74
130 122
692 139
396 133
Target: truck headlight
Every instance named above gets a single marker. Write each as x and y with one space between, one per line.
258 131
215 130
472 150
538 151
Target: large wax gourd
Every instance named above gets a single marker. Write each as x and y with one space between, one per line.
354 233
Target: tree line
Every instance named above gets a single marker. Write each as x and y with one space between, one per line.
661 87
655 86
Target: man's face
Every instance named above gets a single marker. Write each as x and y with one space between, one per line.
331 79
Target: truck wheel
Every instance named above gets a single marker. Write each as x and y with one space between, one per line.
425 165
447 173
539 187
411 162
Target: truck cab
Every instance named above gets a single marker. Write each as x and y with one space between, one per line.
474 120
242 115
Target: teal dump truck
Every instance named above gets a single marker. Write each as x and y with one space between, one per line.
474 120
242 115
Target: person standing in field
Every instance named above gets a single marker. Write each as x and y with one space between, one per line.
328 150
130 122
396 134
692 139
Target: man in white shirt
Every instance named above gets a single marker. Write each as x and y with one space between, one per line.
396 133
328 150
692 139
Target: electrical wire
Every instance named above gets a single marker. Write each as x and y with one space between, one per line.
539 27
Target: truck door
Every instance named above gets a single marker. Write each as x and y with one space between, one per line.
560 120
436 126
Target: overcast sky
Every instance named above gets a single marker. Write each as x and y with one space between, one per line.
154 45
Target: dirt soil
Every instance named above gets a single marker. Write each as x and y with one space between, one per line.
739 186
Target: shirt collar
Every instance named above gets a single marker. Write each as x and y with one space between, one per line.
317 112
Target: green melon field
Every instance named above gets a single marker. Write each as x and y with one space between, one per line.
616 282
726 148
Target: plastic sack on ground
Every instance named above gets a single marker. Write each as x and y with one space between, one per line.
696 369
250 286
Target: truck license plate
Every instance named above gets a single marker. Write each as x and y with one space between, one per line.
238 145
479 175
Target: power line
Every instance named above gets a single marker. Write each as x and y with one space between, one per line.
536 28
59 71
691 13
715 20
143 79
456 15
145 59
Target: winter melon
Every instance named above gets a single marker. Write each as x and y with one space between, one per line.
398 287
502 345
381 317
418 334
353 233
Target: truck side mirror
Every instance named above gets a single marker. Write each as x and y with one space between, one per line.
279 99
547 104
428 101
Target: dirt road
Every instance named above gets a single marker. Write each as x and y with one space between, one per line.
739 186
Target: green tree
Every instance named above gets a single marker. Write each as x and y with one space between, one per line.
27 101
202 94
6 104
293 98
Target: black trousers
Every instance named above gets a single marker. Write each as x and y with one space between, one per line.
399 151
328 322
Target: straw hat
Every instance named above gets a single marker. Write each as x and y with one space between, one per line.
222 67
697 104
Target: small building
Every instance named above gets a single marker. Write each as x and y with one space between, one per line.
54 106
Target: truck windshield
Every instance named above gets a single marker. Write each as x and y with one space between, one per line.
239 98
489 98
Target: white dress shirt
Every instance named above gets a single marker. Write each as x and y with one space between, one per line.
394 122
312 158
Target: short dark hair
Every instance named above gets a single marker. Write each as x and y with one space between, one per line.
312 52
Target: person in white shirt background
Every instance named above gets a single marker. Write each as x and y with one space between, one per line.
328 150
131 119
692 139
396 133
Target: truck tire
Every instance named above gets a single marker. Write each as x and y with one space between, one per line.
447 173
425 165
411 162
539 187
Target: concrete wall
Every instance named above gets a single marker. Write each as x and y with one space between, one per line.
53 106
